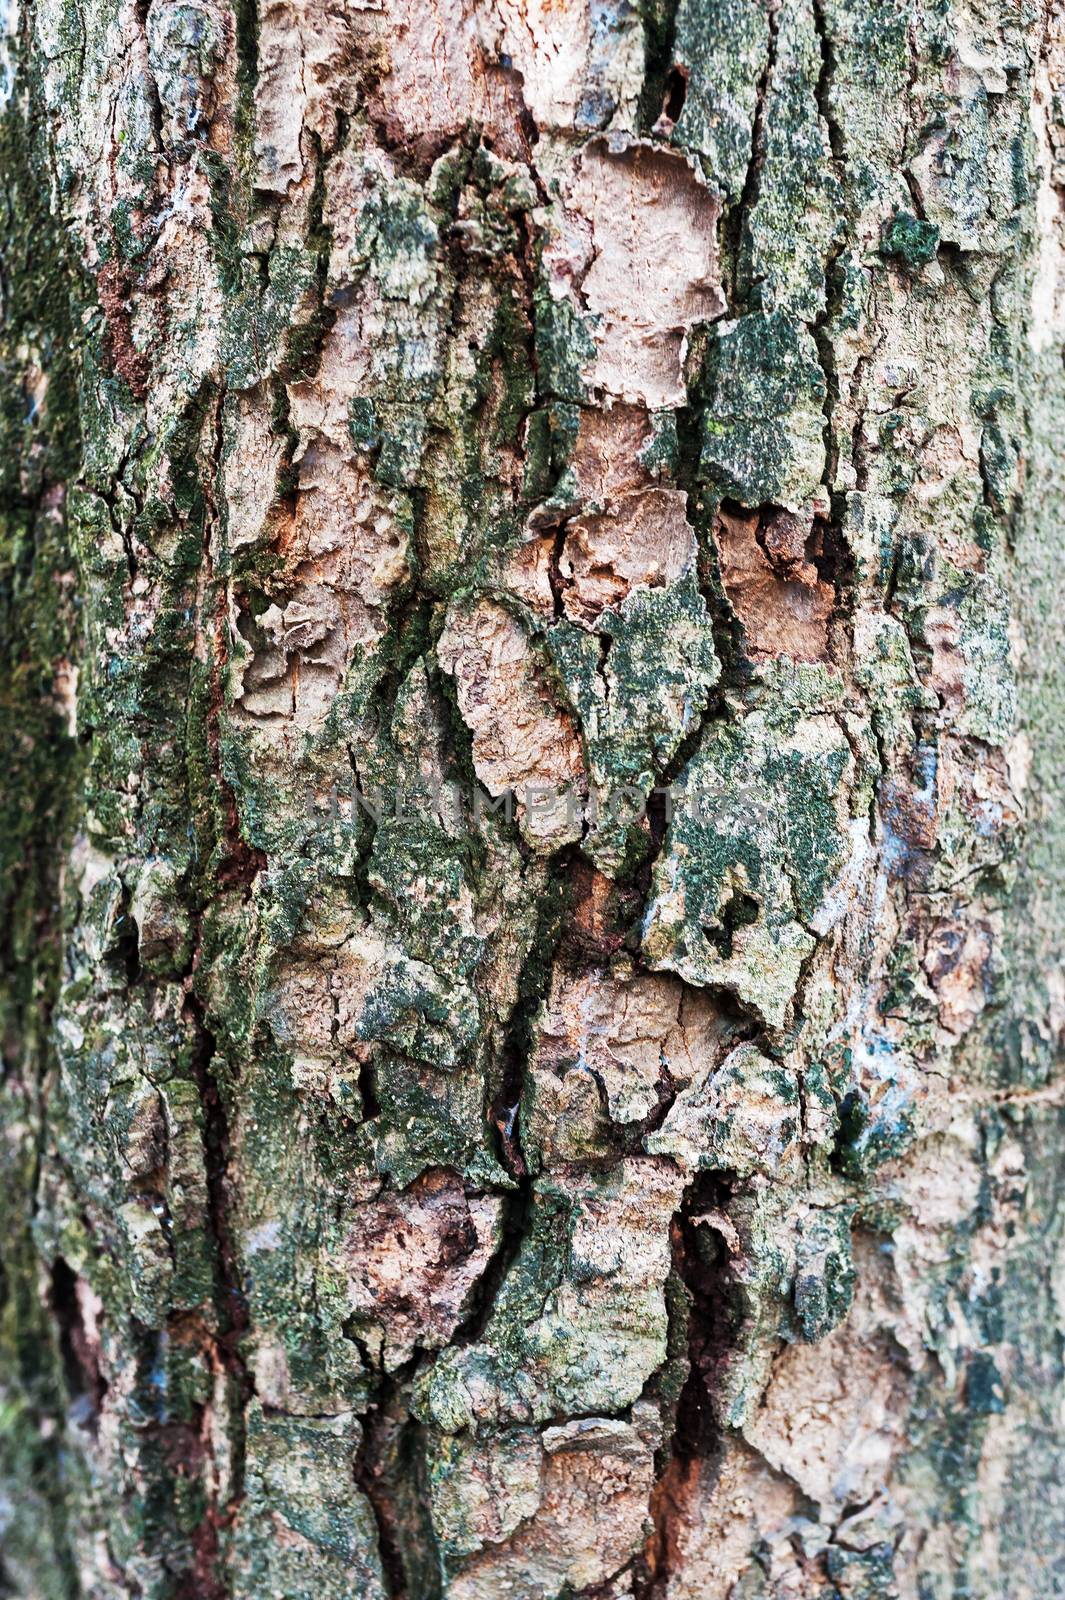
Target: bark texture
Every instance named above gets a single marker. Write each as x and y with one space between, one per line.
410 1196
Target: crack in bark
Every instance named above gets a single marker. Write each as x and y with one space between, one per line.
703 1273
390 1471
738 217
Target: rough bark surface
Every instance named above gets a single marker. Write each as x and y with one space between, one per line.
406 1193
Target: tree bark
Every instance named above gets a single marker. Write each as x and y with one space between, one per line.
532 850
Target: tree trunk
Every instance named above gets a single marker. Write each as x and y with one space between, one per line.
532 860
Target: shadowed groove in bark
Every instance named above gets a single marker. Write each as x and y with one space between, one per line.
246 28
390 1470
822 88
737 217
663 84
702 1268
232 1301
85 1384
833 289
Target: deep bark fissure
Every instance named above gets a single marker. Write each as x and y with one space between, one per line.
701 1265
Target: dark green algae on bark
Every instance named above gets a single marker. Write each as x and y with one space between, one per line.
650 399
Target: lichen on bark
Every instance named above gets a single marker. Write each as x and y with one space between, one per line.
533 873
